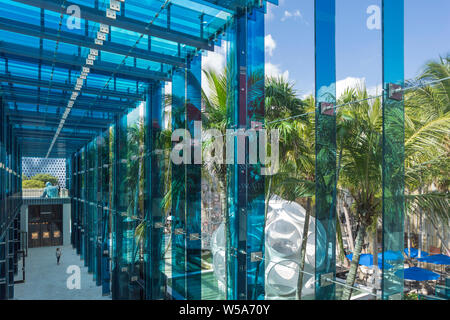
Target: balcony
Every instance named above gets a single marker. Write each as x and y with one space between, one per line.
34 197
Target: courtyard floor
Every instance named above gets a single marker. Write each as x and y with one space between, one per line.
45 280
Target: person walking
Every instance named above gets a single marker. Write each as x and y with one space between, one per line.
58 255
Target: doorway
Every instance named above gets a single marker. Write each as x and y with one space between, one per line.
45 225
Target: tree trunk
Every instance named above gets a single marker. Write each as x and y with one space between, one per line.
340 240
408 224
226 218
375 258
303 248
351 277
349 228
420 233
440 236
266 210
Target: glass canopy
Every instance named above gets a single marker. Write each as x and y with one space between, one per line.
46 43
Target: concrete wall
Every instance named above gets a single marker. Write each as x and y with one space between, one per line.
24 218
66 221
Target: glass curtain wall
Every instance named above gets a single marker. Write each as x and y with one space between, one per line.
259 221
10 203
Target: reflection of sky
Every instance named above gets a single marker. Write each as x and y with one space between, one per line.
133 116
290 47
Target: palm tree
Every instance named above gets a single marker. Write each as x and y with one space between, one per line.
360 145
427 128
296 177
427 144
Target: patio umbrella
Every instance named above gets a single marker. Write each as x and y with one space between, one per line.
440 259
391 255
366 259
415 253
418 274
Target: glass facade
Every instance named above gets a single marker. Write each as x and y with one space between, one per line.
10 203
325 242
393 150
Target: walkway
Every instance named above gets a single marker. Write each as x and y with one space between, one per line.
45 280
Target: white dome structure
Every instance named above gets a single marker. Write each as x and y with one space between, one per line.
283 241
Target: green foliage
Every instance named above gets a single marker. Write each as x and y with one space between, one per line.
33 184
45 177
411 296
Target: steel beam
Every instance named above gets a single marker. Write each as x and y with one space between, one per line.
22 117
54 123
65 87
44 134
46 57
87 42
125 23
60 100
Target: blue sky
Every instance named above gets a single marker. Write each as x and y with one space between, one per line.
290 41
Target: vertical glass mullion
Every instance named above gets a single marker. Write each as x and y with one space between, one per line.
121 263
245 185
79 204
255 180
231 219
393 150
325 244
194 182
90 207
99 208
106 206
179 190
154 182
84 206
113 205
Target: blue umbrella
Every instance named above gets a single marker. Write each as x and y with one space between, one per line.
436 259
391 256
415 253
418 274
366 259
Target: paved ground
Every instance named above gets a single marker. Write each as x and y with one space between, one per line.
45 280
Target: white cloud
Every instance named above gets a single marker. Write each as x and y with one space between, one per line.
270 15
294 14
375 90
349 82
355 83
273 70
215 60
269 44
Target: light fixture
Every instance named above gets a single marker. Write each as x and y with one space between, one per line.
104 28
110 14
114 5
101 35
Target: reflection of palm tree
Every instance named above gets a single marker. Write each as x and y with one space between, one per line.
426 140
359 138
296 177
427 145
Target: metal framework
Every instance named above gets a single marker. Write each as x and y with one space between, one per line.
95 94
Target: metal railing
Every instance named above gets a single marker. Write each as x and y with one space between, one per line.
37 193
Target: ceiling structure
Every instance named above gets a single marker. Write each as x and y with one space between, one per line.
67 68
